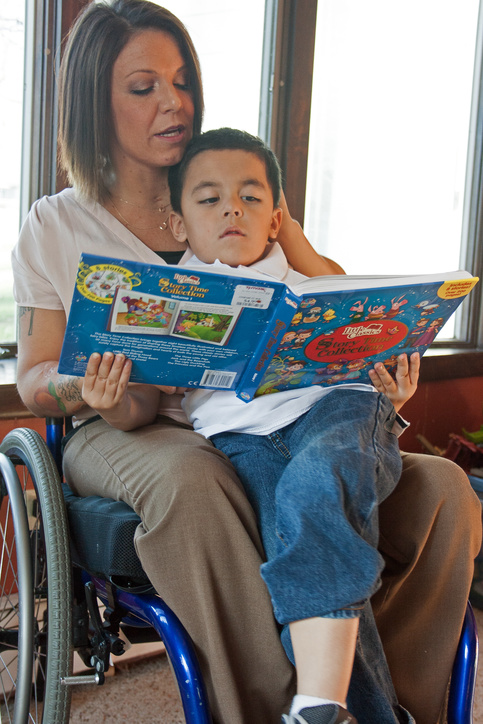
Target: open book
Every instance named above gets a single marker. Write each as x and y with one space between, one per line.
190 327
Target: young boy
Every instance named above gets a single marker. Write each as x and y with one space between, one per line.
315 462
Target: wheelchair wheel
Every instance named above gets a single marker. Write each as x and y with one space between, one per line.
35 585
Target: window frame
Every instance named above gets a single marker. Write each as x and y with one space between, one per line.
472 234
47 23
284 122
286 107
292 62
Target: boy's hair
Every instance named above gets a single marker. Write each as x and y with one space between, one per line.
94 43
224 139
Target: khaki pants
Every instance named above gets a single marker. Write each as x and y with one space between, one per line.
200 547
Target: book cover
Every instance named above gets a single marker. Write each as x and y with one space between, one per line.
345 324
179 326
189 327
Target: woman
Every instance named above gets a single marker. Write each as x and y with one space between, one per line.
130 99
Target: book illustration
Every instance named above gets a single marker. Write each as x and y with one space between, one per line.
360 329
212 323
103 283
138 313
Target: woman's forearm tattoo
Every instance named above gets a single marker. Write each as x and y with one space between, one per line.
66 389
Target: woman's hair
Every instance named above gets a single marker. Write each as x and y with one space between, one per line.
85 119
224 139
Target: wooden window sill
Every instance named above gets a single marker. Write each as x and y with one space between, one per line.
450 363
438 364
11 406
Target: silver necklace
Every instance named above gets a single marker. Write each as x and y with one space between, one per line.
161 209
162 227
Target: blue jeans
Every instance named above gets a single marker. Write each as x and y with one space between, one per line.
315 486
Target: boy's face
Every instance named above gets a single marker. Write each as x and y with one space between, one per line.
227 208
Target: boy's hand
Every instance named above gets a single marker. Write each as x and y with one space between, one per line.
106 381
398 390
107 390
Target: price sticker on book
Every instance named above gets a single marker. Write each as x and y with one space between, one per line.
252 296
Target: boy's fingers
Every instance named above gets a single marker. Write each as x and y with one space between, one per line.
415 360
386 375
91 375
125 372
104 369
93 363
383 372
377 383
117 376
380 375
108 364
414 366
402 363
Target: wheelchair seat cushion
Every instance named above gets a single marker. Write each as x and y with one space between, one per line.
102 537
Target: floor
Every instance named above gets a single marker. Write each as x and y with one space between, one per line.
478 704
143 691
140 691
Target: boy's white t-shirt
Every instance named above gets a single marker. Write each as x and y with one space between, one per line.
214 411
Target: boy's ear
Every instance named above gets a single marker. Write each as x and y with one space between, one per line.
275 223
176 224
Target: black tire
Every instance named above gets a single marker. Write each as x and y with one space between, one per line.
50 582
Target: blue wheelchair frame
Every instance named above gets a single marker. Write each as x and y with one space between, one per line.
463 678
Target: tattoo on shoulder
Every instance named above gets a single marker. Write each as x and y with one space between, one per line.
21 312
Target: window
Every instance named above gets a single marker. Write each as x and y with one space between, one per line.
12 22
393 89
390 136
229 42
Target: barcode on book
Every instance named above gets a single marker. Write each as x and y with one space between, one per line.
218 378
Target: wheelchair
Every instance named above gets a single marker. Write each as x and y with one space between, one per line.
61 555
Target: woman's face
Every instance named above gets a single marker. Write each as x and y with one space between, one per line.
151 102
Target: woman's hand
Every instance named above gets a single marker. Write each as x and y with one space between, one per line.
106 389
398 390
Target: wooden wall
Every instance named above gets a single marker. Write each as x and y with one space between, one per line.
443 407
438 409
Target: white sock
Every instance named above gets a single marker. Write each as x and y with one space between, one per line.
301 701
